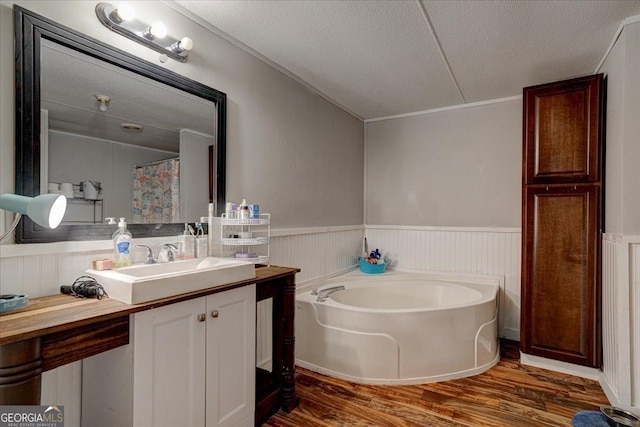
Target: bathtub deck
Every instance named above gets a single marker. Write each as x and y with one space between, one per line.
507 395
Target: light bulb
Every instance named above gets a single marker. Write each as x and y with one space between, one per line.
125 12
57 212
158 30
103 102
186 43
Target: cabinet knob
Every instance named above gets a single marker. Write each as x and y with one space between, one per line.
215 314
202 317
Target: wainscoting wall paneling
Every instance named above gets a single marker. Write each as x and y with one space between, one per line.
621 320
481 250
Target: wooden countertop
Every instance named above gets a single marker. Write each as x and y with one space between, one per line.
56 313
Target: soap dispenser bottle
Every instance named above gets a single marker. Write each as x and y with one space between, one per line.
121 245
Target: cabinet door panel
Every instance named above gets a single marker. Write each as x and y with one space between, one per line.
561 274
231 348
562 131
169 365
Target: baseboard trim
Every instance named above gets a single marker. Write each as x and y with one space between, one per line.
614 396
608 390
558 366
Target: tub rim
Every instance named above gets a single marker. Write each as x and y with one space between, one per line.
492 282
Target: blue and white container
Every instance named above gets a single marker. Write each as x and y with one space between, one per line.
254 211
368 268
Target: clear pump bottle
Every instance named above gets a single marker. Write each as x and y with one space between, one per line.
121 245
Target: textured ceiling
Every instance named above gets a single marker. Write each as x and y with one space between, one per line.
381 58
70 81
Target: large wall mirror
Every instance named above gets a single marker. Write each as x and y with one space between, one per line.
119 136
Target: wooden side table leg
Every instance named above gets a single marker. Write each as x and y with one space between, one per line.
277 322
20 372
289 398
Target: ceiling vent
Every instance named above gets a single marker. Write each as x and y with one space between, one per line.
131 127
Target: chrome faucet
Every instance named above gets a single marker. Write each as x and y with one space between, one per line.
150 259
324 294
166 253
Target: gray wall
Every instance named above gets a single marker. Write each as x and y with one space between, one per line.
288 149
450 168
107 162
622 173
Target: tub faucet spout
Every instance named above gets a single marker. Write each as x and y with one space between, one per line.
324 294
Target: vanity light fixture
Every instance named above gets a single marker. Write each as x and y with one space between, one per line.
103 100
123 13
157 30
184 44
122 21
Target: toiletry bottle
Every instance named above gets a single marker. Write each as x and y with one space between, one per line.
201 242
121 245
210 249
243 210
230 210
187 242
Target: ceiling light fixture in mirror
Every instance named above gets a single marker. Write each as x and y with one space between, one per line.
122 20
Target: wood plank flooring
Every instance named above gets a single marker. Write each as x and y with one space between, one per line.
509 394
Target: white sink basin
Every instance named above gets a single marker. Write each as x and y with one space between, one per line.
148 282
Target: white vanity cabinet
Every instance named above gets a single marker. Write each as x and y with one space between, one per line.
190 363
231 358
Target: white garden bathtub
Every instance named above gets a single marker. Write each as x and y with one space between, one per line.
400 328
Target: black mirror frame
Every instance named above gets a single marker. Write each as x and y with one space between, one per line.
29 29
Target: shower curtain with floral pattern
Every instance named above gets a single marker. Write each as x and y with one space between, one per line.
156 192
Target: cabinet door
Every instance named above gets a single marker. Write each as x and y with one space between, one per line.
169 365
561 285
231 364
562 132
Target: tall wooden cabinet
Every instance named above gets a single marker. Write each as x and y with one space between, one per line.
563 129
